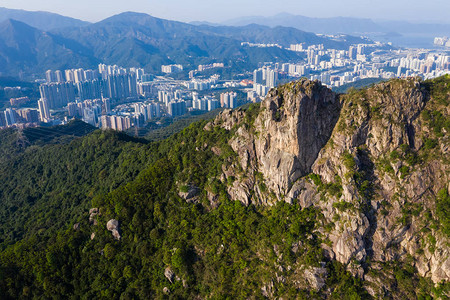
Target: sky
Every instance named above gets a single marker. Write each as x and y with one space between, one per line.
218 11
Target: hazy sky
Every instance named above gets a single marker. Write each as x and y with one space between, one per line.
216 11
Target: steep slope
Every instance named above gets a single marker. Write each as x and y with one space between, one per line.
379 181
309 195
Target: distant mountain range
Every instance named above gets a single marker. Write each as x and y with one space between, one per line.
135 39
317 25
40 19
400 32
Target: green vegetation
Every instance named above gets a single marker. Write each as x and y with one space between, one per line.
403 282
443 210
437 121
27 89
439 89
332 188
223 252
357 85
45 188
171 126
347 286
343 205
216 248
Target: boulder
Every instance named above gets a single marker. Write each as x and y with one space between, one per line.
169 274
113 226
316 277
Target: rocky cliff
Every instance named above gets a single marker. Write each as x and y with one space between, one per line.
375 162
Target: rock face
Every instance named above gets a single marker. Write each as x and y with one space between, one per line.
296 121
371 147
190 194
113 226
316 277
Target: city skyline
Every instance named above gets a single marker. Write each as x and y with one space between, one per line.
216 11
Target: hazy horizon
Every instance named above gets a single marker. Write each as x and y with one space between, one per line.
214 11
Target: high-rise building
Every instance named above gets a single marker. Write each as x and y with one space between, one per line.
10 117
258 76
147 77
69 75
78 75
361 49
89 116
27 116
89 89
19 101
200 104
120 86
232 101
224 100
139 72
352 52
153 111
171 68
2 120
228 100
176 108
72 109
50 76
213 104
59 76
165 97
119 123
58 94
271 78
44 112
90 75
261 90
107 105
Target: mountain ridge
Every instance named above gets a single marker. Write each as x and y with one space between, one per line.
40 19
140 40
401 33
24 49
309 193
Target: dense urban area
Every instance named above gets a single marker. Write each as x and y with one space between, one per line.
121 98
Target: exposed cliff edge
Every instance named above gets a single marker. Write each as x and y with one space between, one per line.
309 194
373 161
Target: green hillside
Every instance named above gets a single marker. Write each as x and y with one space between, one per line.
181 234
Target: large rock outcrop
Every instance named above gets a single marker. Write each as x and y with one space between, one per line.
295 122
374 181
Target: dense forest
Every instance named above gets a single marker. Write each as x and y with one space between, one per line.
171 245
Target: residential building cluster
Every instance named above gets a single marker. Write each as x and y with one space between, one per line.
19 101
335 67
202 84
19 117
169 69
121 98
264 79
258 45
442 41
210 66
